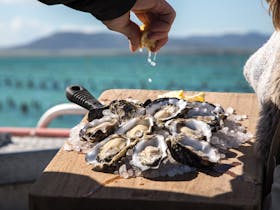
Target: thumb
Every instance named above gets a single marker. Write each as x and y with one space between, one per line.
132 32
124 25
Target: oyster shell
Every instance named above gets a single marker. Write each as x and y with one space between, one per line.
99 129
193 152
137 127
189 127
149 152
164 109
126 110
206 112
106 154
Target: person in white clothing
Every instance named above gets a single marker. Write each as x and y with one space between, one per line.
262 71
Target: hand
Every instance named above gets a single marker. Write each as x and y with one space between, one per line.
157 14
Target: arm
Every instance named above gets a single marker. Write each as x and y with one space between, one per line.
115 14
101 9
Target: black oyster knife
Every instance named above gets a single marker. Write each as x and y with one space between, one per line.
81 96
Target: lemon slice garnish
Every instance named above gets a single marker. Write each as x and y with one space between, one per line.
181 95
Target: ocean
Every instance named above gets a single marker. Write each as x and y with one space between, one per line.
31 85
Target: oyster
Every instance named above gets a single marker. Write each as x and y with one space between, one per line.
99 129
207 112
126 110
204 109
164 109
189 127
149 152
193 152
137 127
106 154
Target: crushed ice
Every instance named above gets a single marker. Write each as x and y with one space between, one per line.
74 143
232 134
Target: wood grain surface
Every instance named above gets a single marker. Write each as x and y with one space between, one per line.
69 183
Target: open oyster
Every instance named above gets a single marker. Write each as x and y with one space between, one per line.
164 109
126 110
193 152
206 112
149 152
99 129
106 154
189 127
137 127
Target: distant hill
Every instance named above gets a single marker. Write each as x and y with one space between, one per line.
108 41
70 40
249 41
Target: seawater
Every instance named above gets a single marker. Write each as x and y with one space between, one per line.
31 85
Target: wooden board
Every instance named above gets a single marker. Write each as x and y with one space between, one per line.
69 183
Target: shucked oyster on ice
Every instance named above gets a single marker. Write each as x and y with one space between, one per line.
193 152
207 112
164 109
149 152
106 154
126 110
137 127
189 127
204 109
99 129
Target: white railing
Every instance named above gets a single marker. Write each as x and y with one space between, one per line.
59 110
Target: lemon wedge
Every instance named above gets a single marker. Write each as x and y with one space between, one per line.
197 97
145 42
181 95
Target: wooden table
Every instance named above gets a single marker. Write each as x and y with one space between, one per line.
69 183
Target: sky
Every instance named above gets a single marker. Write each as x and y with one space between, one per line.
22 21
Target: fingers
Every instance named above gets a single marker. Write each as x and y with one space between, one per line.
159 18
160 26
157 14
128 28
132 32
159 44
157 35
167 13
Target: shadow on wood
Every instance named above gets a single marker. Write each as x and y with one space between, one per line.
93 195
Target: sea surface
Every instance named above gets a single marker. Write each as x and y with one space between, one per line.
31 85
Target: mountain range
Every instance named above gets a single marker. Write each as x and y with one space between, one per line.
74 41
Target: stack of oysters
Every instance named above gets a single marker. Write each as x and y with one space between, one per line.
146 137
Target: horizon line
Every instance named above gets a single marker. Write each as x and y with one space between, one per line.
3 47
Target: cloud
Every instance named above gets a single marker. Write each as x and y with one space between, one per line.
16 1
18 24
81 28
21 30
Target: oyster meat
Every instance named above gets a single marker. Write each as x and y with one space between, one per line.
137 127
106 154
149 152
164 109
99 129
189 127
126 110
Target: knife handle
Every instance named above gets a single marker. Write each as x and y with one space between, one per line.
79 95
